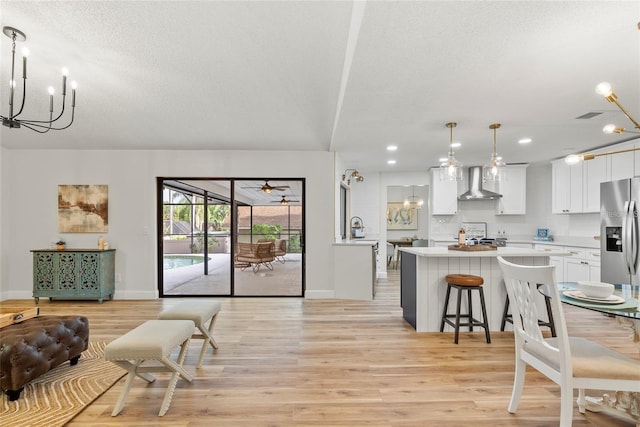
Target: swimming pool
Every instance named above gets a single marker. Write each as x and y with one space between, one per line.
176 261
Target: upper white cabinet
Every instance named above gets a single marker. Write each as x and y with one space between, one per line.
566 187
576 188
595 171
513 190
444 195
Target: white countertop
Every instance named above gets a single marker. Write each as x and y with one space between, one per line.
582 242
441 252
356 242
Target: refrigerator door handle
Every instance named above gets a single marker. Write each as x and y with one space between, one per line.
633 231
626 237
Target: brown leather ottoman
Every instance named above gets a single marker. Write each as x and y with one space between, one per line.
35 346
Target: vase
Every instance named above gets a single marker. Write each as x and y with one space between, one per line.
60 247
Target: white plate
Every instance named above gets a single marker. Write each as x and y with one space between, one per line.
611 299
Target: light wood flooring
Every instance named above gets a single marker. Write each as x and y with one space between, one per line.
296 362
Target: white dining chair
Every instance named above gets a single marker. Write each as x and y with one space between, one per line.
571 362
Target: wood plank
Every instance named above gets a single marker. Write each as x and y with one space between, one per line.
296 362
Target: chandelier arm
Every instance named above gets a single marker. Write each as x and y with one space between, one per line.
24 95
32 127
626 113
33 122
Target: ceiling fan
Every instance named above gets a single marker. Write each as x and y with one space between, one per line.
266 188
284 201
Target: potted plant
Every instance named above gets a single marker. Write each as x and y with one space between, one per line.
60 244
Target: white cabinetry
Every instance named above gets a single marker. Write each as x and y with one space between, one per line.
556 261
354 271
566 187
595 171
513 190
444 195
582 264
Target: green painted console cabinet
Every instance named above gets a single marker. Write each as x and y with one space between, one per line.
74 274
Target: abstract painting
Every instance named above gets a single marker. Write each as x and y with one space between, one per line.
401 218
83 208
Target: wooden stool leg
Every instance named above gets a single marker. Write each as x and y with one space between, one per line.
484 316
446 306
505 314
455 340
552 324
470 310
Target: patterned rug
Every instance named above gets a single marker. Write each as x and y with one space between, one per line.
57 396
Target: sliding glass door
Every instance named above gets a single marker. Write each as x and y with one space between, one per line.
211 230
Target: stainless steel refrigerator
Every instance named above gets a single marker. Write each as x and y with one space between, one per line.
619 206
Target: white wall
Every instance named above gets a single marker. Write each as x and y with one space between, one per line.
29 180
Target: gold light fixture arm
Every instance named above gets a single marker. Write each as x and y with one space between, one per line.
575 158
354 174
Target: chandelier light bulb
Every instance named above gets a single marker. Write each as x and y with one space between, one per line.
604 89
51 90
74 85
572 159
65 72
608 129
25 52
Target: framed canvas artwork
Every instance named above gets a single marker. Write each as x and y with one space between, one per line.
401 218
83 208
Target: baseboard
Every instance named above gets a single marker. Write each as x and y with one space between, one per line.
322 294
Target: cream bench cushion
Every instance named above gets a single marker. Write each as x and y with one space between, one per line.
199 312
153 340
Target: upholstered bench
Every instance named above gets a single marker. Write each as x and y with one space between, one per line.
154 340
200 312
37 345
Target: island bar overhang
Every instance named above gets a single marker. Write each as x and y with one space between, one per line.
423 288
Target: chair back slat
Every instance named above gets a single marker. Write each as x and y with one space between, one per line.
523 283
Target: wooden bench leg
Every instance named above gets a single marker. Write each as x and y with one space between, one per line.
208 339
178 371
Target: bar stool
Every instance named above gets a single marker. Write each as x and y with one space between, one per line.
464 282
506 317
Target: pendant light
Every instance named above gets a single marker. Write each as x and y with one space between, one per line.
495 170
413 203
451 169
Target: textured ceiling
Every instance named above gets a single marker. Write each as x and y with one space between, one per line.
350 77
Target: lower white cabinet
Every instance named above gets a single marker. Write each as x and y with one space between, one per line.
354 271
556 261
582 264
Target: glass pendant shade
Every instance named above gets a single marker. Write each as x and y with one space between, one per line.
413 203
451 169
495 170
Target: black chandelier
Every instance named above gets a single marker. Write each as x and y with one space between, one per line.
12 120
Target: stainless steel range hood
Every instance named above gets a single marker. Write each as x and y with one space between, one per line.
476 192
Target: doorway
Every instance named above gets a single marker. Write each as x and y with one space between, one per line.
204 224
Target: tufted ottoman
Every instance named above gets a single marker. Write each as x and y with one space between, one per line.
35 346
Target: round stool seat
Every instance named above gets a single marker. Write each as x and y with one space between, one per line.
464 280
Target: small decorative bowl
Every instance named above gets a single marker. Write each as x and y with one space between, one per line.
596 289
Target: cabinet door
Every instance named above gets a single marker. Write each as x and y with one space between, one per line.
44 273
566 187
576 269
68 269
560 187
622 164
514 191
558 263
595 172
444 195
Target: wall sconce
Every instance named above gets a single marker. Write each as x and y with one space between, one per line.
354 174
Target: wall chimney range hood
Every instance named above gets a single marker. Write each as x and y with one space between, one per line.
476 192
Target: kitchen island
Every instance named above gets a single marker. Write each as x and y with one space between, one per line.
423 288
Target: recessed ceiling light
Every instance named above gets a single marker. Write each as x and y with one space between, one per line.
524 141
442 159
391 162
455 144
392 147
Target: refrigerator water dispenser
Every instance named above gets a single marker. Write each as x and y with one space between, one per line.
613 242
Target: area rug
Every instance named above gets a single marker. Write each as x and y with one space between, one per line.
57 396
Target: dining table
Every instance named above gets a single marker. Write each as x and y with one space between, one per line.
399 243
626 310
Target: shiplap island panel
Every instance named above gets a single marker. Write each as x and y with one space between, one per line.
423 287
